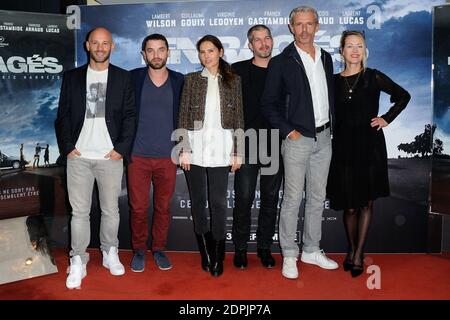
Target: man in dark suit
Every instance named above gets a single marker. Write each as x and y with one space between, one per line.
158 91
298 100
95 144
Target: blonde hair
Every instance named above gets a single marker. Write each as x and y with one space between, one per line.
348 33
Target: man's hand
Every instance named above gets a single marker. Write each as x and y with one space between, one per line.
74 153
378 122
113 155
236 162
294 135
185 161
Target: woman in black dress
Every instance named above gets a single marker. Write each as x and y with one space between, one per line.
358 172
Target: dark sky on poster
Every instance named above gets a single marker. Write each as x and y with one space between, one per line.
441 75
398 37
398 34
35 50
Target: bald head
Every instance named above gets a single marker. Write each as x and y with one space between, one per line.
99 46
100 32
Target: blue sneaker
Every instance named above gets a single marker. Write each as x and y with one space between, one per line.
161 260
138 261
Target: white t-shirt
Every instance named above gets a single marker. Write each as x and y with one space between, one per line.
94 141
211 145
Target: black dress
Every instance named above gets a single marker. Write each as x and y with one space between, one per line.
358 170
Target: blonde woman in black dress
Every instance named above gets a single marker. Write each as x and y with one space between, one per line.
359 172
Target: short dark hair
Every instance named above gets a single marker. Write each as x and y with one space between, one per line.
257 27
154 36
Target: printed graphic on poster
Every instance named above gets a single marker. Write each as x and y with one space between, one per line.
392 30
35 50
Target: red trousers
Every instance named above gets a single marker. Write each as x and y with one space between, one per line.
141 173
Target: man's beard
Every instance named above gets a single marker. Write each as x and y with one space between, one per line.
158 65
263 54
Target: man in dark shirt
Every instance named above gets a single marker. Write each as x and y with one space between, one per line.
253 75
158 91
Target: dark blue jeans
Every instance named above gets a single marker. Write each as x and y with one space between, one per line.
244 193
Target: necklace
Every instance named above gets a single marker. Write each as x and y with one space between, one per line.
351 88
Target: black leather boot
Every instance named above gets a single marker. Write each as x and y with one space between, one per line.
218 257
266 257
204 246
240 260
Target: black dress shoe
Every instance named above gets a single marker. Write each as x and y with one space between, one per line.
240 259
348 263
266 258
357 270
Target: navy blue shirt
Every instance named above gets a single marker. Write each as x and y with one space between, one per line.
155 124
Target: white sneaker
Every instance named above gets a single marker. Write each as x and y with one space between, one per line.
320 259
290 270
76 271
111 261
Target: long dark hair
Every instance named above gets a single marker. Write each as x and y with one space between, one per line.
224 67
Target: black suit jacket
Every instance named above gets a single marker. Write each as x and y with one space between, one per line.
287 102
120 114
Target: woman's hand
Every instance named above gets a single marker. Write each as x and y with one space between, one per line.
236 162
378 122
185 161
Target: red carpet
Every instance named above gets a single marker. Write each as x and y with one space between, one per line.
403 276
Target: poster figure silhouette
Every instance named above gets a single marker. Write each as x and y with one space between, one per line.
22 157
37 155
46 156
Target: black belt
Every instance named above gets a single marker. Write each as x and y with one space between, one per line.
321 128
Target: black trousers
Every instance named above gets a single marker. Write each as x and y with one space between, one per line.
245 180
212 184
